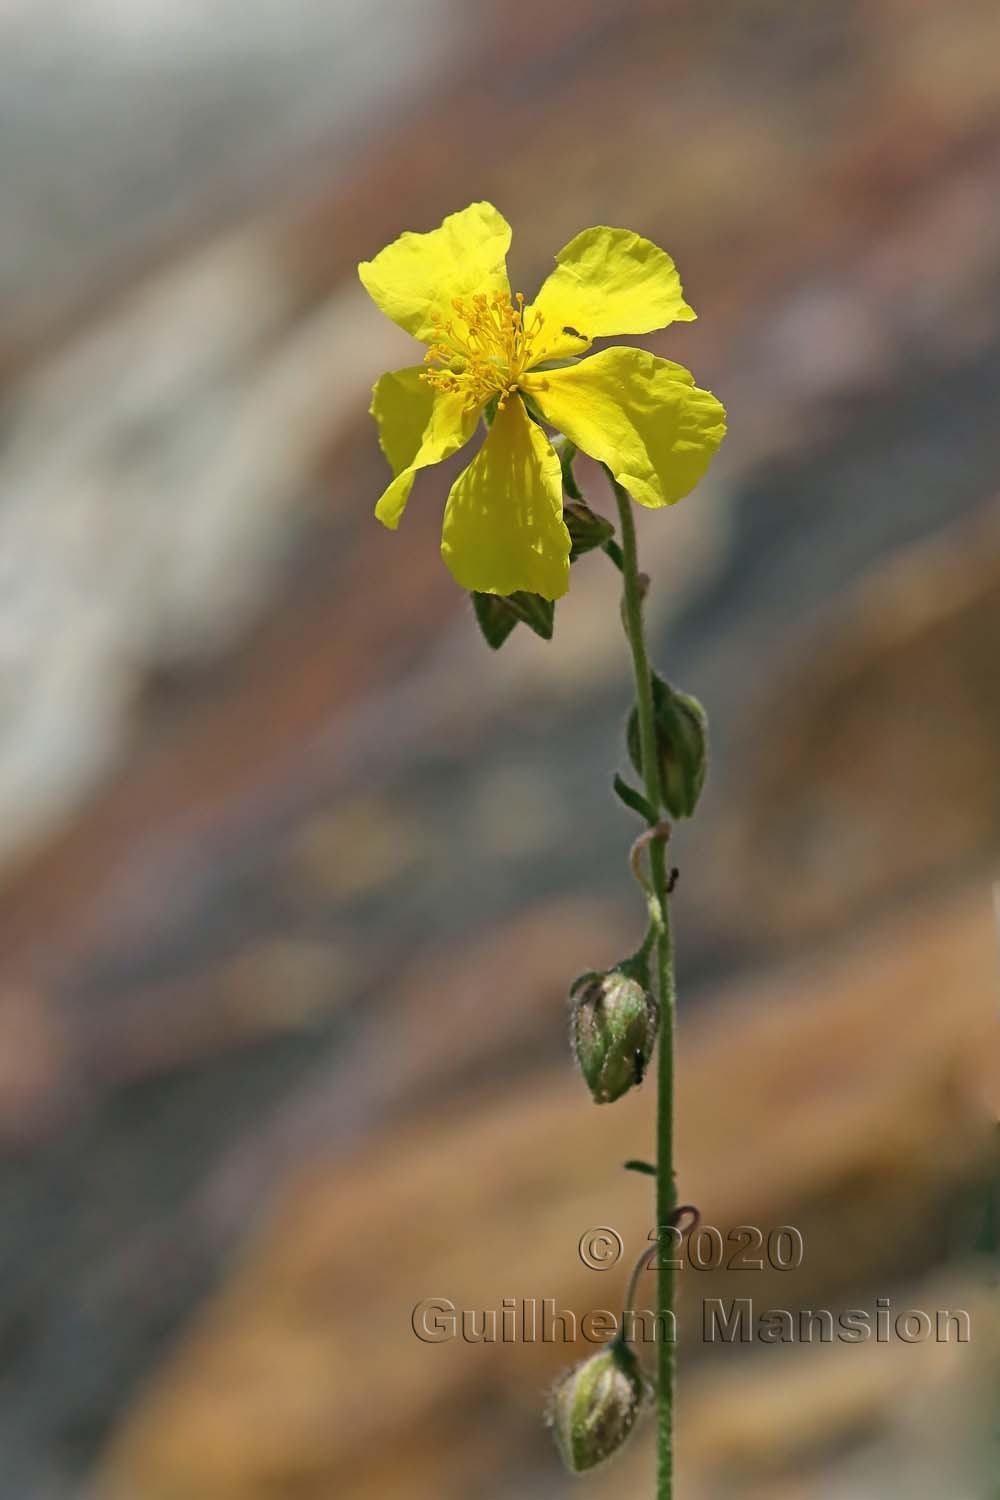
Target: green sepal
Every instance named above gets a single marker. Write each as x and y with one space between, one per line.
497 614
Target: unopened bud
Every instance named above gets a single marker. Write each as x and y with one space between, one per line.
594 1407
586 530
613 1029
682 745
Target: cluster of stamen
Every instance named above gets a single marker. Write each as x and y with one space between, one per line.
485 349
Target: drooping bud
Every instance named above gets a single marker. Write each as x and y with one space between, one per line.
613 1028
682 744
594 1407
586 530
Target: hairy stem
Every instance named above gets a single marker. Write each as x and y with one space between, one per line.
666 1189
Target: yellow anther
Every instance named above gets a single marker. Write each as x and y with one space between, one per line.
486 353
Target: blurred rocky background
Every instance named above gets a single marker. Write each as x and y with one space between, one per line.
295 874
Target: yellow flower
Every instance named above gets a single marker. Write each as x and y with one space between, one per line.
642 416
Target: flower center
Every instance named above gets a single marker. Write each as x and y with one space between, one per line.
485 349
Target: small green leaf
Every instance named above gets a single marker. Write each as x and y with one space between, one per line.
634 1165
633 799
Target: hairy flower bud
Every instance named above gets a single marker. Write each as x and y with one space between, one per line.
682 744
594 1407
613 1029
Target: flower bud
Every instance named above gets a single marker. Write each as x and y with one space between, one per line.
594 1407
613 1029
586 530
682 744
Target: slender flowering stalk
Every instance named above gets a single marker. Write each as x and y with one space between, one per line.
666 1186
510 538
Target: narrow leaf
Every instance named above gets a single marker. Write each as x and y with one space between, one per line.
613 551
633 799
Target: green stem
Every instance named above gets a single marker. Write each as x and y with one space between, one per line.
666 1189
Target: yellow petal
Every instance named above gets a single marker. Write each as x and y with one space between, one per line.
417 426
503 526
401 405
642 416
607 281
418 274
